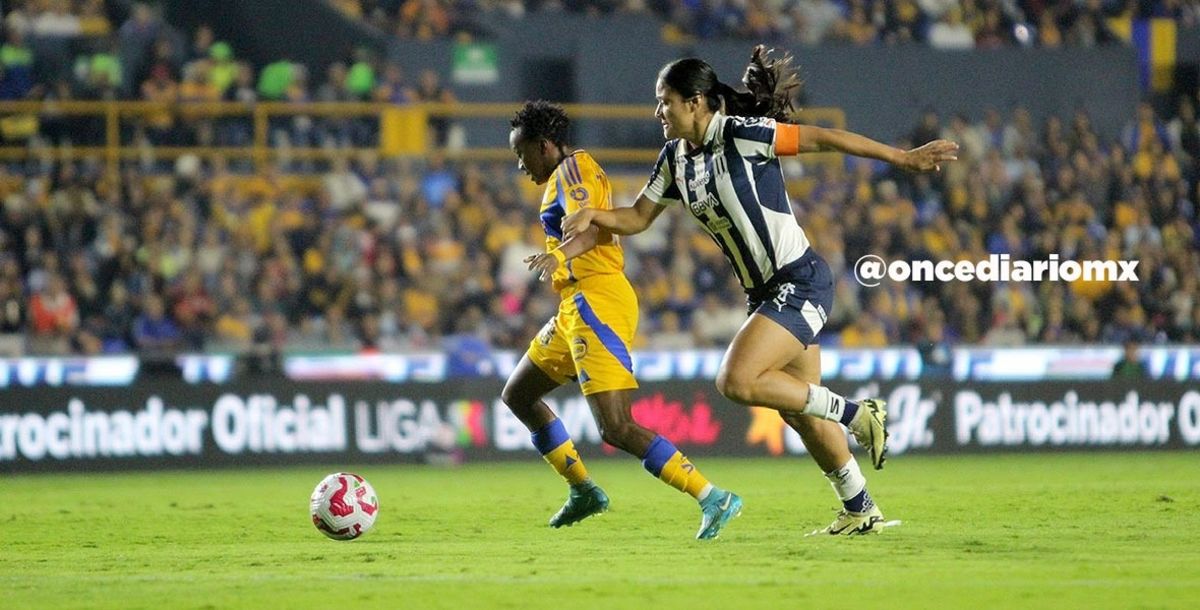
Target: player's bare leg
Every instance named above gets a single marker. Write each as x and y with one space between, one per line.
523 394
826 443
752 373
613 413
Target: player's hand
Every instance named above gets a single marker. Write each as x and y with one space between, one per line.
545 264
929 157
577 223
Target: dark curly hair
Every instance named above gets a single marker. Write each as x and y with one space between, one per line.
771 82
542 120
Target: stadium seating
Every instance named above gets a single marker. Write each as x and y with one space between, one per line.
337 247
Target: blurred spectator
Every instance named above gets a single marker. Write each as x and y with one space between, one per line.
203 39
118 318
393 89
715 323
93 18
269 339
858 29
102 74
53 317
1140 134
223 68
864 332
934 346
12 309
1184 132
423 20
346 189
360 80
275 79
142 27
468 349
670 334
1130 366
161 87
993 31
430 89
56 20
813 20
950 32
16 60
1005 331
153 331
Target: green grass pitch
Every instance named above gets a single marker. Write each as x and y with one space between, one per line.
1047 531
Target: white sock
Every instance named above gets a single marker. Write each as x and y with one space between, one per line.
847 481
824 404
704 492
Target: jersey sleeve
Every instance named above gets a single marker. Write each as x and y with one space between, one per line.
764 138
584 186
661 188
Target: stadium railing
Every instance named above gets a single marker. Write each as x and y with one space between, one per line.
404 130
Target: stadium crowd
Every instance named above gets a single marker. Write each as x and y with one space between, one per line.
945 24
385 254
400 254
92 49
74 49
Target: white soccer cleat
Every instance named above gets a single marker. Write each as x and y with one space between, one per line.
869 428
856 524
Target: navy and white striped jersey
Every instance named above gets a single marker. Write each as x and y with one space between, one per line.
734 186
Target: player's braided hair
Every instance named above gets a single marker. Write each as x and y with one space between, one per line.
542 120
771 84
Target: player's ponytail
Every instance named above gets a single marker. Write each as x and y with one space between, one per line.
771 84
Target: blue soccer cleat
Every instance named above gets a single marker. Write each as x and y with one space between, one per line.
583 502
717 510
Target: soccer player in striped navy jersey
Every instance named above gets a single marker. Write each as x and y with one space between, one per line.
721 162
589 337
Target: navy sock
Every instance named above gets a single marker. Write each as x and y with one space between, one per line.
860 503
849 412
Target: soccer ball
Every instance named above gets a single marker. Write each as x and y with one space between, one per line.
344 506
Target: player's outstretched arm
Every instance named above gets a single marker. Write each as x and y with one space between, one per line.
546 263
928 157
619 221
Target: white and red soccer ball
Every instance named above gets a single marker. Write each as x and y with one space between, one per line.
344 506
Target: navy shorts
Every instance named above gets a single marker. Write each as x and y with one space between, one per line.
799 297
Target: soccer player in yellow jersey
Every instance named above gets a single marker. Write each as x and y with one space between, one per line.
588 339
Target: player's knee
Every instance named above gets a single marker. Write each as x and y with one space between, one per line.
736 385
513 398
619 434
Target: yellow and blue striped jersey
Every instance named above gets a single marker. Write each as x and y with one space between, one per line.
578 182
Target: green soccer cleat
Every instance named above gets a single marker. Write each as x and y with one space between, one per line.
717 510
856 524
869 428
583 502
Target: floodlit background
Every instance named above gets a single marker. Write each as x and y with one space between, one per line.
246 244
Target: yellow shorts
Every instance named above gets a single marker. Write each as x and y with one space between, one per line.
589 338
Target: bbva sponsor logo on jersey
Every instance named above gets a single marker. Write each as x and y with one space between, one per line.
702 205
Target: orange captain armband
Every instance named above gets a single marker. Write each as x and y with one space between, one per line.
787 139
